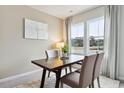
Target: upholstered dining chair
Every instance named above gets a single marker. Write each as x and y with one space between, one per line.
82 79
96 70
53 53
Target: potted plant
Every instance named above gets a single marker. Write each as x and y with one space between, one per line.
65 50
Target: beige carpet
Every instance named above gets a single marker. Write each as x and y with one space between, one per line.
50 83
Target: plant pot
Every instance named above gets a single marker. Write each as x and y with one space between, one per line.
65 54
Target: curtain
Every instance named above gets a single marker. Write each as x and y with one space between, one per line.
106 40
68 23
112 41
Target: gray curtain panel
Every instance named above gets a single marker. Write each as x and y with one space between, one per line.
104 69
68 23
112 41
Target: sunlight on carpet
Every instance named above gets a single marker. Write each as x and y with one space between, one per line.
50 83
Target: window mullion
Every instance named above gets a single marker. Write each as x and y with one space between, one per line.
86 39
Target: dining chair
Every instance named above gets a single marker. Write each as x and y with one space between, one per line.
78 65
82 79
96 70
51 54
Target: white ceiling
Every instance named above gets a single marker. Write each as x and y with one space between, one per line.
62 11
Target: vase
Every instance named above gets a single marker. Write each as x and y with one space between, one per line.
65 54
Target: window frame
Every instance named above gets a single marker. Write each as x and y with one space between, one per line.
76 24
93 20
86 41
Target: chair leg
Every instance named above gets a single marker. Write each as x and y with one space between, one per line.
49 74
89 86
92 84
70 68
61 85
66 71
98 82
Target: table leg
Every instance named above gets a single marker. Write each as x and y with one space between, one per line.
70 68
43 78
58 75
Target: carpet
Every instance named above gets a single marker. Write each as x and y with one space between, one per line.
50 83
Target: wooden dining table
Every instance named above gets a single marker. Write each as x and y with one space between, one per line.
56 65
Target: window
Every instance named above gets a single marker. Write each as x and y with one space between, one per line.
96 34
77 35
87 36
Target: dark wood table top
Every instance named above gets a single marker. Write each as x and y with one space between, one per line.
58 63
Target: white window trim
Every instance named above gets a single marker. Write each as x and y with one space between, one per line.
86 35
92 20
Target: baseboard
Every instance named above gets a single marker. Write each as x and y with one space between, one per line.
21 78
121 78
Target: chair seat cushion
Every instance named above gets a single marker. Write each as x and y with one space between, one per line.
78 71
76 66
71 79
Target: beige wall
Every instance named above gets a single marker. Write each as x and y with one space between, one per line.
16 52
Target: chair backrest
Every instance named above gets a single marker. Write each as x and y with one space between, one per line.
87 71
97 65
52 53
